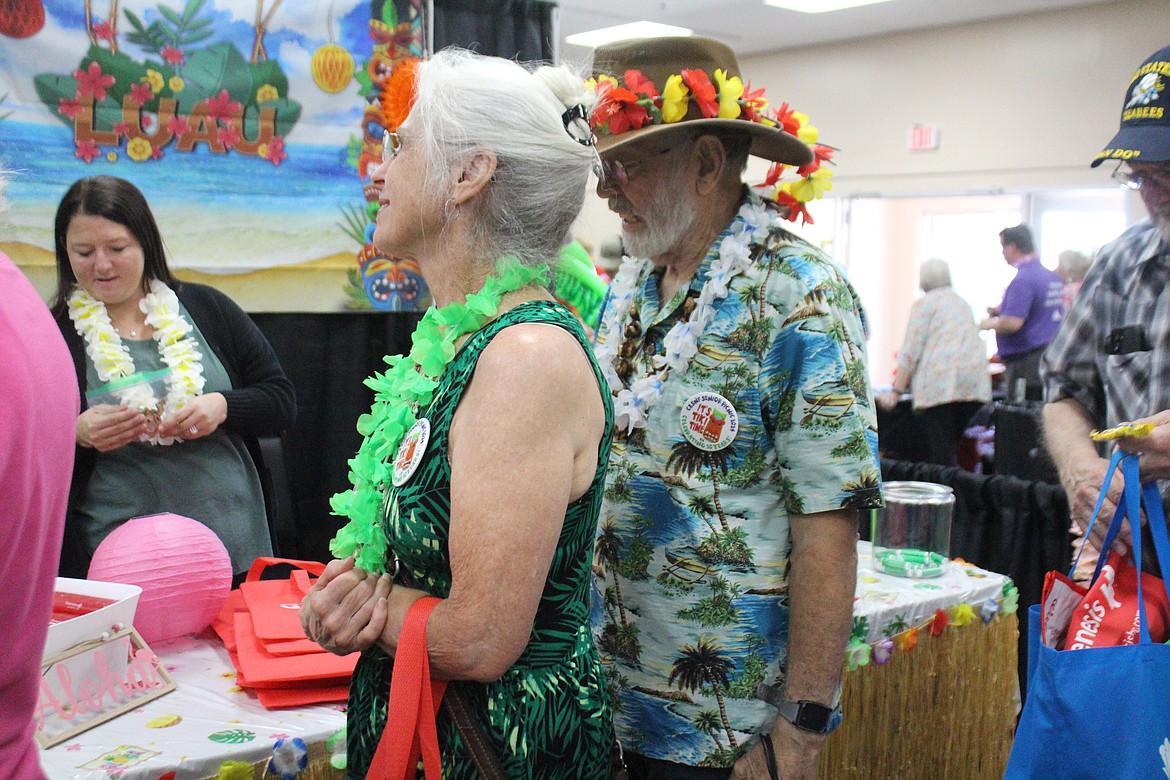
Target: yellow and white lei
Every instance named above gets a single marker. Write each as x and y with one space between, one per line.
111 359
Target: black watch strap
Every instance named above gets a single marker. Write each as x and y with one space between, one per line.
811 716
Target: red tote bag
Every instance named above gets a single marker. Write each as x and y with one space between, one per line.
414 700
262 669
275 604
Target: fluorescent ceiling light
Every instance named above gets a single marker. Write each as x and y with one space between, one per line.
819 6
595 38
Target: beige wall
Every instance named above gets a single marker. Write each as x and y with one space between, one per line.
1024 102
1021 104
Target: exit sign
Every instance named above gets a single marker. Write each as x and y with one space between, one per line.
923 138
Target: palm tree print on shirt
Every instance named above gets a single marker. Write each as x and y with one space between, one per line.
620 638
705 665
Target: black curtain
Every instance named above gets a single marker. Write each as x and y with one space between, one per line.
515 29
328 357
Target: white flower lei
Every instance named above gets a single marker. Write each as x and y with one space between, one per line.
632 404
112 360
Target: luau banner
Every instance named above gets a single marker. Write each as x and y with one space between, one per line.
250 125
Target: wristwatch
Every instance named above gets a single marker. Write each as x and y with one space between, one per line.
805 715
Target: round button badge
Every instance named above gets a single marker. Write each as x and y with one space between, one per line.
410 452
709 421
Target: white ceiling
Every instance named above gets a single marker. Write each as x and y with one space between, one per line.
750 27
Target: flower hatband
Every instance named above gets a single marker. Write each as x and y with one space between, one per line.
633 101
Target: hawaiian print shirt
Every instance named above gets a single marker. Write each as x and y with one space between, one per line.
690 609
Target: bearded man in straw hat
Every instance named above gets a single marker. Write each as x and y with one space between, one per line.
736 355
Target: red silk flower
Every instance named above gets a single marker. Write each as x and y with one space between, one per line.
753 102
785 118
940 622
619 110
637 83
795 207
820 154
774 174
703 91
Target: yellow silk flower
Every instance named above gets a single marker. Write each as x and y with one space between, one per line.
961 615
807 132
730 91
811 187
675 96
591 84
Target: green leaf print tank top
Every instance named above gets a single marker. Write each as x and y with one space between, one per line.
549 715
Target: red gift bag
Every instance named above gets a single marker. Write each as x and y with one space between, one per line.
275 604
1107 616
287 670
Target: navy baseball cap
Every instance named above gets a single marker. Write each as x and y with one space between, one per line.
1145 115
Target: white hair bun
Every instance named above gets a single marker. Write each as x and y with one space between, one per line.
567 86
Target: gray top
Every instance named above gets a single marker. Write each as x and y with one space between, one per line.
210 479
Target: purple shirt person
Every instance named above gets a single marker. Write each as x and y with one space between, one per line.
1029 315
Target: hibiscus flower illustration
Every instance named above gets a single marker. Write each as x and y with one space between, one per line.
87 150
92 81
222 107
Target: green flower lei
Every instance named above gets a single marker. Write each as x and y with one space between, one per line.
407 384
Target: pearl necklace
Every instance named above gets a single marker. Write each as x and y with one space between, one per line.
632 404
112 360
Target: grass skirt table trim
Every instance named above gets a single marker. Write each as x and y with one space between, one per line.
945 709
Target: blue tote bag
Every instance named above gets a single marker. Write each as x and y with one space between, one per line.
1101 712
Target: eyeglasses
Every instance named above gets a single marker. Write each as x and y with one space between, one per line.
390 146
1134 180
613 173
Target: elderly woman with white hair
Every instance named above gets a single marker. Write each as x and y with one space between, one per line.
943 363
481 475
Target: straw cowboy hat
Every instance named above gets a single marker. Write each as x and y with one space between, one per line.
675 86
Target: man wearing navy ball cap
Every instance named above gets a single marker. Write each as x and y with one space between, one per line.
1110 362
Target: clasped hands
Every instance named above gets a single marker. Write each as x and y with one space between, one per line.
345 611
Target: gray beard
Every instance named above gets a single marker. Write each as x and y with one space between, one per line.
663 224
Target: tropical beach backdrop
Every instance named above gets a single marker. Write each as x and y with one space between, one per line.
250 125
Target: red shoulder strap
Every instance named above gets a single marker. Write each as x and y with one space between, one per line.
414 700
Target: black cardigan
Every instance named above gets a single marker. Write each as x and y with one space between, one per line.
261 402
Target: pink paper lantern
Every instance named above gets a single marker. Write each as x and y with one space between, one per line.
183 568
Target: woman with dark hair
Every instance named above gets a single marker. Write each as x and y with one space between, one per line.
181 449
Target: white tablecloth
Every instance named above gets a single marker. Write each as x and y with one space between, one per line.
192 730
891 604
